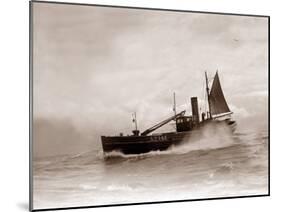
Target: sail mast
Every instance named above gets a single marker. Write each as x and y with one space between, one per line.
174 108
135 120
208 94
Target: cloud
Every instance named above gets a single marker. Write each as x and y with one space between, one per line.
263 93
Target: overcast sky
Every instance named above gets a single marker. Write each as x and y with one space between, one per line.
94 66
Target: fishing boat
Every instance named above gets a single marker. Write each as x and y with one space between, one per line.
185 125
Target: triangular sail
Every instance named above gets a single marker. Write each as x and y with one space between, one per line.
217 101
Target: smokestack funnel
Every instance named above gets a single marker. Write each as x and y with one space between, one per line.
194 108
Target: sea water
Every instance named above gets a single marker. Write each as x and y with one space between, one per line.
218 164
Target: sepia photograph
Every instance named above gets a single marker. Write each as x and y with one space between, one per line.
140 105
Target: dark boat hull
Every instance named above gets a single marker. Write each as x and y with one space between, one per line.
141 144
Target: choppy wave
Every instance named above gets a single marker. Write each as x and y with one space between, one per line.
216 164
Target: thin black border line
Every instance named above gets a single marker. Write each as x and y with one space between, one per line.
31 105
147 8
150 203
